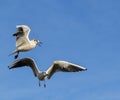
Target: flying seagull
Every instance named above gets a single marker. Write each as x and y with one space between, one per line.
56 66
22 40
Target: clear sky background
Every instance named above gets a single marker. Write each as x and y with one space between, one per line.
84 32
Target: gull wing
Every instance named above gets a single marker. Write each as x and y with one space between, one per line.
25 62
22 35
64 67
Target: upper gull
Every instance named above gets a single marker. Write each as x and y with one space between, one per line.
22 40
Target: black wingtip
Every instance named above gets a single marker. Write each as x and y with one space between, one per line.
14 35
9 67
85 69
17 33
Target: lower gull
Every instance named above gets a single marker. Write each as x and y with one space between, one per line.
57 66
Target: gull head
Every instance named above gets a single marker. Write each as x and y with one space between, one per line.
42 75
37 42
23 28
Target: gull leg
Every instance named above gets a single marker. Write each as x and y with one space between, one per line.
16 56
39 83
44 84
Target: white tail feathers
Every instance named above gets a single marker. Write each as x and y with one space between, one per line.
15 51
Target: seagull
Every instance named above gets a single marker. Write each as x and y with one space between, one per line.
22 40
56 66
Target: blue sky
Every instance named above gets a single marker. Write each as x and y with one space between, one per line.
84 32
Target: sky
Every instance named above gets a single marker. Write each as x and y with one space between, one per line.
84 32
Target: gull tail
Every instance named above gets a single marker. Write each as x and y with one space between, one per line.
15 51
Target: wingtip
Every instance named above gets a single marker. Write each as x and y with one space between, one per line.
14 34
9 67
85 69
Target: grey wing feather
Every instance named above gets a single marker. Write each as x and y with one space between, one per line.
52 69
25 62
19 32
21 35
64 67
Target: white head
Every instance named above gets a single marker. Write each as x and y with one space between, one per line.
37 42
42 76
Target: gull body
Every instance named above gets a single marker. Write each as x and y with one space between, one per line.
22 40
56 66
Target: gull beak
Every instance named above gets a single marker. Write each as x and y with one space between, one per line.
39 43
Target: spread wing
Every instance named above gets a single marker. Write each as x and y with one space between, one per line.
64 67
25 62
22 35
